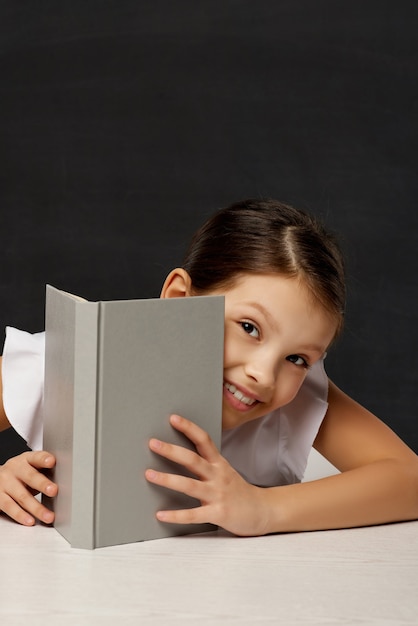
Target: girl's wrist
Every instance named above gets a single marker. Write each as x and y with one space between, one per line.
268 510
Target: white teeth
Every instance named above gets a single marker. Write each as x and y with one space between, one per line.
240 396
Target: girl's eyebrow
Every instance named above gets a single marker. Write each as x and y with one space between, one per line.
270 319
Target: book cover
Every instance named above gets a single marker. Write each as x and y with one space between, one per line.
114 373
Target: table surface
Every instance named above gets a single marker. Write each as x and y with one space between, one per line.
349 577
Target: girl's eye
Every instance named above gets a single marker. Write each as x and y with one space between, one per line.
250 329
297 360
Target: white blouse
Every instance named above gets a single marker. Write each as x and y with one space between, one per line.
272 450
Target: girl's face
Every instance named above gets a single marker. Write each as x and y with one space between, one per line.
273 333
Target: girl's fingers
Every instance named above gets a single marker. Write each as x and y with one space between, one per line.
181 456
41 483
40 459
189 486
20 478
198 515
204 444
25 467
19 504
198 463
27 502
28 512
15 512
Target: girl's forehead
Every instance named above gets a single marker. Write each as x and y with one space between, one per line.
250 283
275 292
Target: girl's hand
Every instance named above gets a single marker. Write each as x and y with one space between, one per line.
20 481
227 500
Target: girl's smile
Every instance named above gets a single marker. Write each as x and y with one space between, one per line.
240 399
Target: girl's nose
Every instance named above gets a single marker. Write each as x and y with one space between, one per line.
264 371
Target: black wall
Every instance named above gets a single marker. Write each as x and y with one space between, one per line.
124 123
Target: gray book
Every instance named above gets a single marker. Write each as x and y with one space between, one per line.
114 373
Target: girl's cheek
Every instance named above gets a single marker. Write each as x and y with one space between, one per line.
233 353
228 347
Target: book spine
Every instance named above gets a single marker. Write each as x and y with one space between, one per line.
84 425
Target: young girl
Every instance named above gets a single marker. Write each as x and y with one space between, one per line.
283 280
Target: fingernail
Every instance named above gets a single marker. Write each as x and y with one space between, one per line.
48 517
49 490
155 444
150 474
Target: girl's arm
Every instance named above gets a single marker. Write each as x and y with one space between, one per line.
21 477
4 422
378 483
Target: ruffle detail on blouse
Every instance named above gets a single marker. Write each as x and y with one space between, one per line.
23 381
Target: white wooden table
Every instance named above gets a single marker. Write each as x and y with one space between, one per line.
349 577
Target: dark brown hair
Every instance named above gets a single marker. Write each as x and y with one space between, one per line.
267 236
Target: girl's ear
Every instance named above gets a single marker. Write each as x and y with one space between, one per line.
177 284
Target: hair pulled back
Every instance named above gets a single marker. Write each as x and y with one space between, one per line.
266 236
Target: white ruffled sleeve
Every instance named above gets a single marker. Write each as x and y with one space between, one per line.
23 383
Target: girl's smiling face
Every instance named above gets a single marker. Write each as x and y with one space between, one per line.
274 331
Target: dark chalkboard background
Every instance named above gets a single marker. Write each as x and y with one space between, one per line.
123 124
